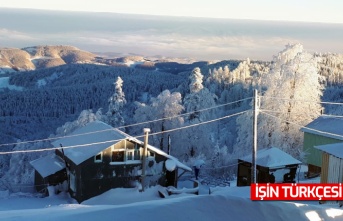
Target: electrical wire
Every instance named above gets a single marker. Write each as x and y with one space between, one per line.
271 111
131 125
324 115
166 118
333 116
308 128
111 141
56 148
222 167
300 100
171 130
201 123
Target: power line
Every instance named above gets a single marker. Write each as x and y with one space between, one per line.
222 167
201 123
131 125
286 112
271 111
111 141
333 116
315 130
301 100
55 148
171 130
180 115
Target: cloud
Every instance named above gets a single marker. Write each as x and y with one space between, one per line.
204 39
6 34
178 45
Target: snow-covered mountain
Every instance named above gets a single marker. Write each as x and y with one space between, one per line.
37 57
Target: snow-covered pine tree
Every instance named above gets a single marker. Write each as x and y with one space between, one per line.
292 96
218 79
116 103
198 98
85 117
197 140
165 106
19 176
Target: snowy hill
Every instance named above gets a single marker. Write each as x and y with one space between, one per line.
36 57
40 57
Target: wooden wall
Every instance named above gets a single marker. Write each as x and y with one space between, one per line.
314 156
332 170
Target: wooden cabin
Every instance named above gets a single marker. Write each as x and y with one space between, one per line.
268 162
97 158
323 130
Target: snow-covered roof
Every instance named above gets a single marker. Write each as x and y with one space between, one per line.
272 158
335 149
96 141
326 126
48 165
91 141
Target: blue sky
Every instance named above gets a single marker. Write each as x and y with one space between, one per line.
328 11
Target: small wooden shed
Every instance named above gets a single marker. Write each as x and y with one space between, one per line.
49 171
332 163
268 161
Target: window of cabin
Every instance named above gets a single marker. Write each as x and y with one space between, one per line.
137 154
118 155
129 155
133 154
98 158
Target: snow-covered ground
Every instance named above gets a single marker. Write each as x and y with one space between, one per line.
6 69
4 83
224 203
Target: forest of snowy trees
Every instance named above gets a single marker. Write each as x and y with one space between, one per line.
206 110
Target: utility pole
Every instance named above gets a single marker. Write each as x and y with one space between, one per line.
254 149
146 135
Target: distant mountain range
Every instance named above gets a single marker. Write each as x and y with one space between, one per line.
38 57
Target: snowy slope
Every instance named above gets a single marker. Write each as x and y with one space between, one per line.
222 204
4 83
